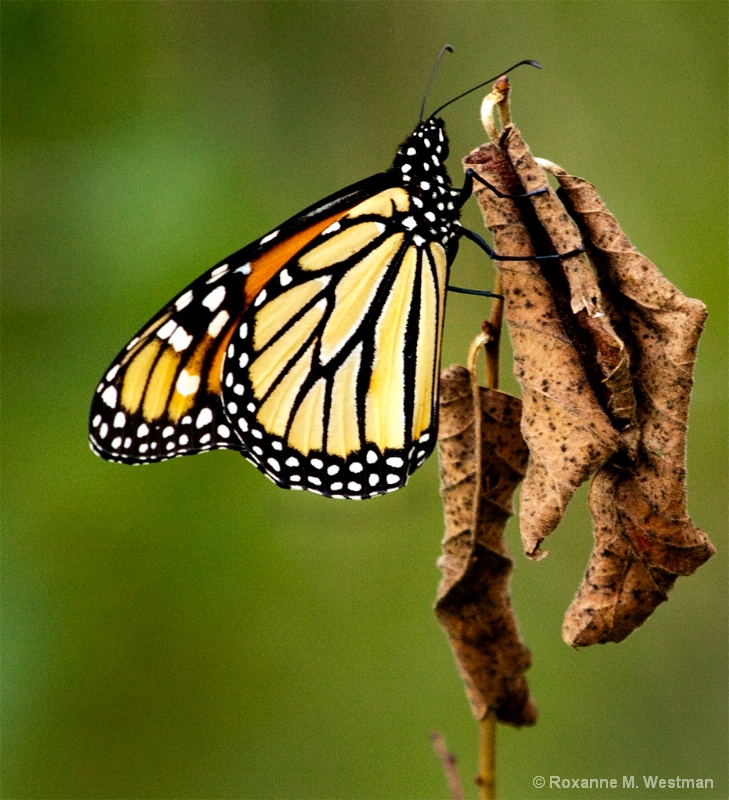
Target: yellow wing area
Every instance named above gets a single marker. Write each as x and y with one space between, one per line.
346 355
432 307
385 406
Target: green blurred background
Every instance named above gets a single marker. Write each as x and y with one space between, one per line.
187 630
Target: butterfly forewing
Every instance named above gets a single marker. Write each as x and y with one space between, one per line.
161 397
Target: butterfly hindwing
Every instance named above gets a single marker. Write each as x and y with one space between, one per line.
331 377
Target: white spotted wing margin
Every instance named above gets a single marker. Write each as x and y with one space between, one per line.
332 377
161 396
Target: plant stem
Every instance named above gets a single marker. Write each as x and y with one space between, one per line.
494 331
487 758
450 766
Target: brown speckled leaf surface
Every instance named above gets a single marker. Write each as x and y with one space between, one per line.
604 350
639 507
473 604
567 430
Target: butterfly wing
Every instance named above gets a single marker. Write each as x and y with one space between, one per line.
161 396
313 351
331 377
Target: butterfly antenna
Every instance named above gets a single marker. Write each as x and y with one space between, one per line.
473 89
443 50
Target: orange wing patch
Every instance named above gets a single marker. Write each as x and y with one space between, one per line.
267 265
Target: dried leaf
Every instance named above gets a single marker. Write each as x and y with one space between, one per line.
642 530
569 433
473 598
605 359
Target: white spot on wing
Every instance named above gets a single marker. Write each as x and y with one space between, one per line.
205 417
187 383
269 237
180 339
217 272
166 329
183 300
218 322
109 396
215 298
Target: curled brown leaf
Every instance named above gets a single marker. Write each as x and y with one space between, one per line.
567 429
478 479
639 508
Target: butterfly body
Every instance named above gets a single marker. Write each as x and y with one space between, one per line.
313 351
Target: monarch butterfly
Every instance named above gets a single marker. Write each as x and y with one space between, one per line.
313 351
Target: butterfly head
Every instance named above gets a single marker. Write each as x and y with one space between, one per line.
420 168
423 154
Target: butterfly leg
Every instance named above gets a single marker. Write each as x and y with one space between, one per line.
494 256
472 176
477 292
